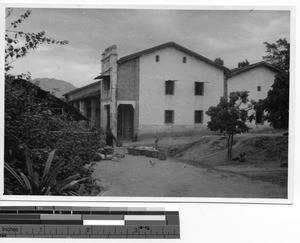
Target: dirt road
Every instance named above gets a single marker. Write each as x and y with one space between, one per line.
135 176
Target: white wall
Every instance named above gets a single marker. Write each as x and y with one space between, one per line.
249 80
153 101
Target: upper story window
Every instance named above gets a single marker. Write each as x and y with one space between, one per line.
184 59
199 88
169 87
106 85
157 58
258 88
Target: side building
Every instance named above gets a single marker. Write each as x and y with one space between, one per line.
256 78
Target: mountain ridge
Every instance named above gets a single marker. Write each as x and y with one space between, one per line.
55 86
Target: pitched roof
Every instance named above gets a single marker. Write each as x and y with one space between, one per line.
82 88
176 46
236 71
42 95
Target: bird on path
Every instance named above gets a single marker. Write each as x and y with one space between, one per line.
152 163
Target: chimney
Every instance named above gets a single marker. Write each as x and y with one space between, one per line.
109 67
109 59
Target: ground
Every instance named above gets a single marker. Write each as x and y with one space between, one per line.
196 167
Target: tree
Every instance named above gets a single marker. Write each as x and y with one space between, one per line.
278 54
243 63
31 125
277 102
219 61
13 37
229 117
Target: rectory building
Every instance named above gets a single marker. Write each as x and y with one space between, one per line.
166 88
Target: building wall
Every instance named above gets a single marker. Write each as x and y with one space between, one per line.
128 87
153 101
108 97
84 92
250 80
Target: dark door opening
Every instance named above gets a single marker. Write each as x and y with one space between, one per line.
125 121
107 107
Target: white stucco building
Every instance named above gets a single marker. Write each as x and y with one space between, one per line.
167 88
256 78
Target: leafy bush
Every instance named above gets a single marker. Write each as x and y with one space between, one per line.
47 184
31 124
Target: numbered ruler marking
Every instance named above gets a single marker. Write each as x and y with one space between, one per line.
88 222
85 231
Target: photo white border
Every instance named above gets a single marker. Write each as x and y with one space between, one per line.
71 4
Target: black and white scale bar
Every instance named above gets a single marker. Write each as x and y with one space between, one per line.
88 222
88 231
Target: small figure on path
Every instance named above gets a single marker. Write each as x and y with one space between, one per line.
110 138
152 163
241 158
156 143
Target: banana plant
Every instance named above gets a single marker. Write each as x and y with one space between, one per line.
46 184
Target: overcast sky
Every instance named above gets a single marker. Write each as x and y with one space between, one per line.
231 35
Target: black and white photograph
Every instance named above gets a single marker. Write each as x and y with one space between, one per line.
147 102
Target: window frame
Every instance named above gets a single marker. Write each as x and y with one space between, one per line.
261 115
199 91
258 88
184 59
106 85
201 117
169 87
172 113
157 58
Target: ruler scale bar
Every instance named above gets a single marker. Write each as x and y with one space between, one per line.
88 222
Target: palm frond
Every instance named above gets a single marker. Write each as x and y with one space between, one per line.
27 182
15 175
72 183
29 164
48 164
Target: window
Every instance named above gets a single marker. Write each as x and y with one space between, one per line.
157 58
169 117
184 59
198 117
169 87
259 117
106 84
258 88
199 88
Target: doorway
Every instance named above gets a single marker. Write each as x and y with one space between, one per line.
107 108
125 121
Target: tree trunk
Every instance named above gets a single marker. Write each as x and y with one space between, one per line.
229 146
228 157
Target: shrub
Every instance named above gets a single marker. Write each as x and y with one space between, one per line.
31 125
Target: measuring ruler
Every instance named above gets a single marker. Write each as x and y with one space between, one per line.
88 222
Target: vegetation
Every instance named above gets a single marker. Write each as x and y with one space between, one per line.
243 63
33 130
14 37
229 117
45 185
277 102
219 61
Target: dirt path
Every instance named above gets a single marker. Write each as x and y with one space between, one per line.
135 176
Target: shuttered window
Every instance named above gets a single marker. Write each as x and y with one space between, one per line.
169 87
169 116
199 88
198 117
